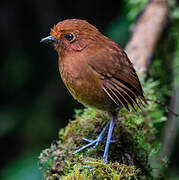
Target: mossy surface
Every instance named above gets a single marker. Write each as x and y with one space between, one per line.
129 156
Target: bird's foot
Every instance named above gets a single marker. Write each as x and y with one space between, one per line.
89 140
93 142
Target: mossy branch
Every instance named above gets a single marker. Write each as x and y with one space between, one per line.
129 155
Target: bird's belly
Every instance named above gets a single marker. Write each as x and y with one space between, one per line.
90 93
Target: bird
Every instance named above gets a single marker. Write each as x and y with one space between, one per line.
96 71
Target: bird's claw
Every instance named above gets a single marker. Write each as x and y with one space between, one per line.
89 140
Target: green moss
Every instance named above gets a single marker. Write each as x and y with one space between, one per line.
129 157
101 171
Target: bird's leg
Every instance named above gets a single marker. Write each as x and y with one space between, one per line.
99 138
96 141
111 126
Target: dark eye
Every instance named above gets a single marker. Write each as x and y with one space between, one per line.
69 37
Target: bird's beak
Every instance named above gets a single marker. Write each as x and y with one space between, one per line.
49 39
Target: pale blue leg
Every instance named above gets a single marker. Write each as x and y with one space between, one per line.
89 140
111 126
95 142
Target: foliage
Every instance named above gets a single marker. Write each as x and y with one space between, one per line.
135 8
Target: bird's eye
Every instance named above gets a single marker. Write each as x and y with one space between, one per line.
69 37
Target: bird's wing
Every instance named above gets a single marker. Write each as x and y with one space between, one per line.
120 81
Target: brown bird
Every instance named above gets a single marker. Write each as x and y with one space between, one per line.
96 71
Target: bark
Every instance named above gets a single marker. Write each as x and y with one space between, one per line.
146 33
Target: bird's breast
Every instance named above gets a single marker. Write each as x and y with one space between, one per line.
84 83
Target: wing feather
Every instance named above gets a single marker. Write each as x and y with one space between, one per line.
124 88
117 96
124 94
118 76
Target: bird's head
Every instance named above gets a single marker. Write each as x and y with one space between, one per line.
72 35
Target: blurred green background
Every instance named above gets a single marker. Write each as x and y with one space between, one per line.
34 102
